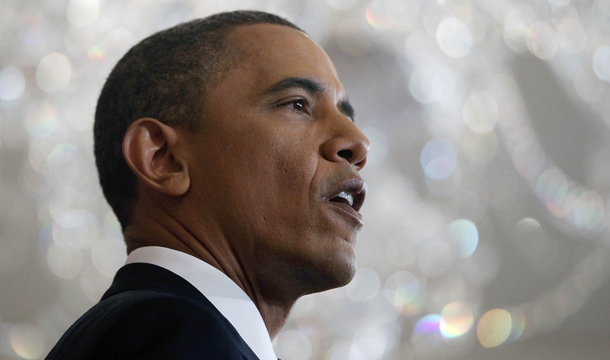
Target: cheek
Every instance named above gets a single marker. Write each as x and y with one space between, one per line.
296 167
285 184
268 177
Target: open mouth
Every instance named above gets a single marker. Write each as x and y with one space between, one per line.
351 193
344 197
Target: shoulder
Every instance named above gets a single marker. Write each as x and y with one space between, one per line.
146 324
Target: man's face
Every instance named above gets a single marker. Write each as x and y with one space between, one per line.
277 148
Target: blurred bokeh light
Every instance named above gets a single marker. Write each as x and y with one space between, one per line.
489 174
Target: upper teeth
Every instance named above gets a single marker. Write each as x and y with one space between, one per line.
347 196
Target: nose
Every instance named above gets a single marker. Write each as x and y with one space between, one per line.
347 143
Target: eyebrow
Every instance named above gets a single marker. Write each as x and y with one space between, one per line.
347 109
312 87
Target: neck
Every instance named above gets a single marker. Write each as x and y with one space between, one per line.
209 245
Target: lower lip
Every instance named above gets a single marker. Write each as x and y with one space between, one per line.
346 209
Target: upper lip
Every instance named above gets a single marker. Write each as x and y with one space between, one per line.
354 186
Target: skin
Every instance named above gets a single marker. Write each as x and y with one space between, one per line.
248 193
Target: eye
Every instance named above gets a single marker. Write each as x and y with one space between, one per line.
299 105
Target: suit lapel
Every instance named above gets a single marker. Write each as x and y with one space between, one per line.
142 276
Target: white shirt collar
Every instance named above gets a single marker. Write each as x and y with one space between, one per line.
232 302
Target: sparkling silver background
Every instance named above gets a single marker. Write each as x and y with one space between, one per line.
486 230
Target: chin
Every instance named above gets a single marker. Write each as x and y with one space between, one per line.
333 272
302 270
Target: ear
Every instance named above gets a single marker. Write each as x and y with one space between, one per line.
151 150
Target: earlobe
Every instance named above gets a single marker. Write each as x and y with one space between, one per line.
152 151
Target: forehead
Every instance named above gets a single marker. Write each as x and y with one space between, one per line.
272 52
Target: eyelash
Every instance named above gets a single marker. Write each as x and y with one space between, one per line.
299 105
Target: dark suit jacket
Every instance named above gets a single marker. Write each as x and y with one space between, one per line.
151 313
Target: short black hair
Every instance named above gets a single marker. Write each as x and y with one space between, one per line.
164 77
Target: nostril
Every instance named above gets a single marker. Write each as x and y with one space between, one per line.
346 154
